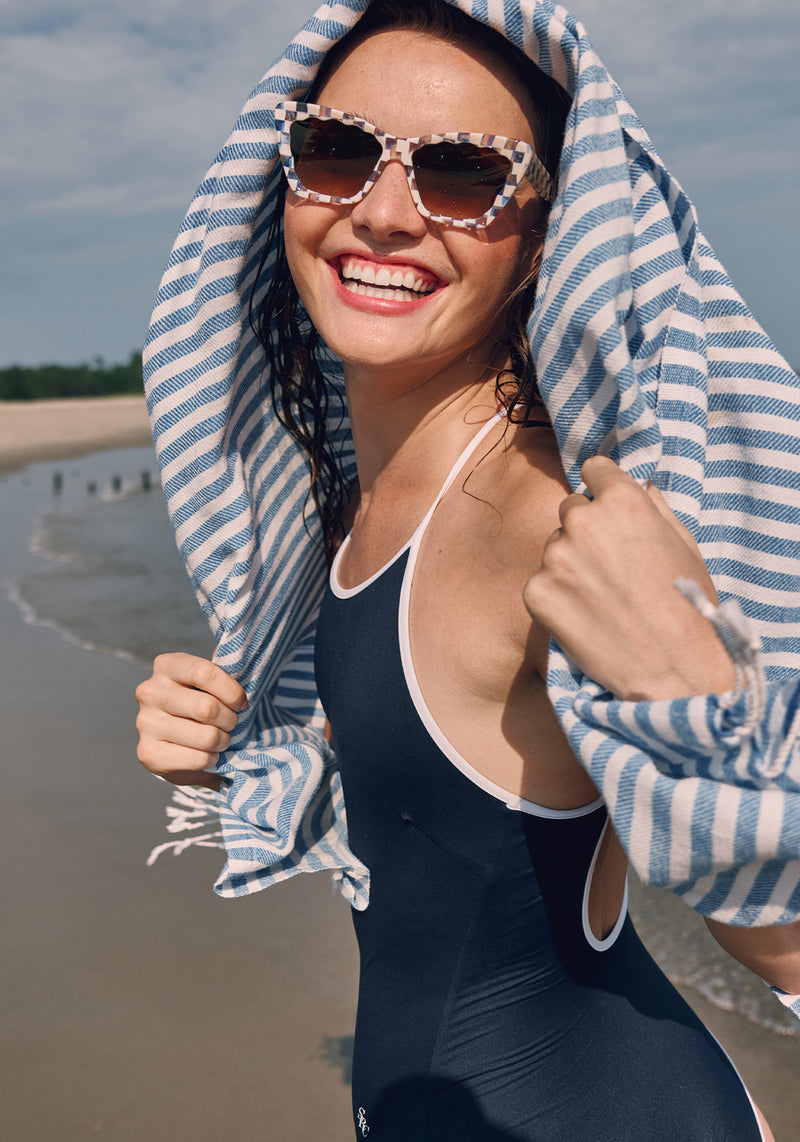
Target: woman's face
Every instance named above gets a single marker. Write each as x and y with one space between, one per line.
410 84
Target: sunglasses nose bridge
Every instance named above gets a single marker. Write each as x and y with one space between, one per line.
393 153
388 202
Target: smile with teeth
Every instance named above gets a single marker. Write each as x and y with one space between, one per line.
391 283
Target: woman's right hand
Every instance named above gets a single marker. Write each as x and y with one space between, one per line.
187 710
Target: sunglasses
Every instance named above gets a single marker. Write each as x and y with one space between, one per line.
463 180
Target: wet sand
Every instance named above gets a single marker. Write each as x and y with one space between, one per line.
136 1003
57 429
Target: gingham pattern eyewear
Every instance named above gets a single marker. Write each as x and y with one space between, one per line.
460 179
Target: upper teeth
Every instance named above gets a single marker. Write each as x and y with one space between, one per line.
370 274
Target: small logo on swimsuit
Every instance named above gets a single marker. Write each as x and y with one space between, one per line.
362 1122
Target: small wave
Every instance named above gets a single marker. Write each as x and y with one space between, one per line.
103 572
128 488
31 618
40 542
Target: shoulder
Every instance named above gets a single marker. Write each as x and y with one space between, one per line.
524 482
534 462
494 529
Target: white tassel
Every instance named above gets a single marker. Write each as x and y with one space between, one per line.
193 807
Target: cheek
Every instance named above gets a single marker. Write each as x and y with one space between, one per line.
510 245
500 264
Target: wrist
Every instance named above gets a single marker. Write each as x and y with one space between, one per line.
711 673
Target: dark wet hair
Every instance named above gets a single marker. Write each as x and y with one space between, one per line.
295 354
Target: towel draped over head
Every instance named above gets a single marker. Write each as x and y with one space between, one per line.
644 351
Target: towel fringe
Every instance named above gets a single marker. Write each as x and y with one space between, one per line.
193 807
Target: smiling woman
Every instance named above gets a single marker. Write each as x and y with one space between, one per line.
509 667
513 243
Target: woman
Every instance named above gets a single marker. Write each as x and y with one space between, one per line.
503 991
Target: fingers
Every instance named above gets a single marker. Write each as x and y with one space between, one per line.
207 740
569 506
203 675
599 474
605 478
178 765
177 748
664 510
188 709
605 590
179 701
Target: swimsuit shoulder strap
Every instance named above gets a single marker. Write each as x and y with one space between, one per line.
464 455
346 592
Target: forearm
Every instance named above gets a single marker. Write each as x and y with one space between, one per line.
773 952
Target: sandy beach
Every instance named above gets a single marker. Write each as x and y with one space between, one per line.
58 429
137 1005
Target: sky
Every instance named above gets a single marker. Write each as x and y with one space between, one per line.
111 112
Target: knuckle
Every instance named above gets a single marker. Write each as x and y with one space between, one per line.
205 708
530 597
145 754
620 495
577 525
209 739
201 673
142 691
556 557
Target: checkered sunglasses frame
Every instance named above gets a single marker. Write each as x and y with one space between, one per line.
523 159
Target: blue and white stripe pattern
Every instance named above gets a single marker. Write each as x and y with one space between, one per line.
644 351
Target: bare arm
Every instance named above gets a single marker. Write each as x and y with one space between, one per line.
605 591
187 710
773 953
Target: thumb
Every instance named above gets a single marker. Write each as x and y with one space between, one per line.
667 514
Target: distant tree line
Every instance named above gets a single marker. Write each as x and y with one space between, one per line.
48 382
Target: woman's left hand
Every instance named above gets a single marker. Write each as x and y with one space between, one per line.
605 592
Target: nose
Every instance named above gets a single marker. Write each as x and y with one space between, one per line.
388 210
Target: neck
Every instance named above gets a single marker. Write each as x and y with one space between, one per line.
407 430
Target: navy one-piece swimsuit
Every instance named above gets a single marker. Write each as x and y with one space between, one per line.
487 1011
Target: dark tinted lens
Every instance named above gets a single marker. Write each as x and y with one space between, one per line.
459 180
332 157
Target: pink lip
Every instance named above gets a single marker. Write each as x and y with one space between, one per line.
385 306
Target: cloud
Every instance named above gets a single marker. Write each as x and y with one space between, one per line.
20 18
111 114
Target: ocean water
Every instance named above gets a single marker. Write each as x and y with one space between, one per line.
101 565
92 556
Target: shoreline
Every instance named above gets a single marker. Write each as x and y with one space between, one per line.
75 426
140 1005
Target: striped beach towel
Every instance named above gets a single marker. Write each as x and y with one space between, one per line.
643 351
